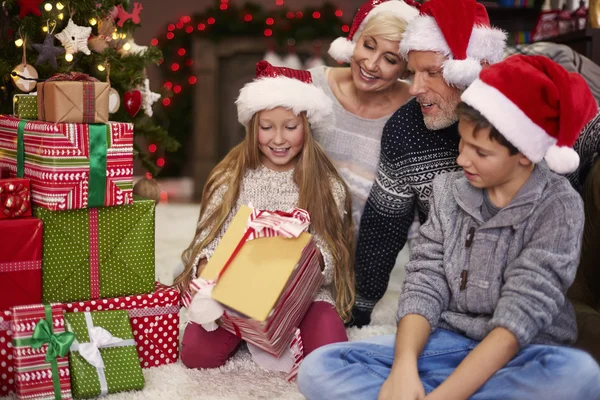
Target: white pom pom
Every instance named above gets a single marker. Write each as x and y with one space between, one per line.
461 73
341 49
562 160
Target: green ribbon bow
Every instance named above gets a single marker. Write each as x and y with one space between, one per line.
58 344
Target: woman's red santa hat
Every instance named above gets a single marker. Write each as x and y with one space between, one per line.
537 105
460 30
288 88
342 48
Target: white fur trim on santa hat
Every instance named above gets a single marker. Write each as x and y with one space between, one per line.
423 34
461 72
562 160
342 49
510 120
269 93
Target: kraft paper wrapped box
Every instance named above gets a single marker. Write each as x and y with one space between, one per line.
70 166
268 286
113 365
20 262
25 106
154 318
98 252
40 352
73 98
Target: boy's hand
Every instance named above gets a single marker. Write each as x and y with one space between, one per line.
404 384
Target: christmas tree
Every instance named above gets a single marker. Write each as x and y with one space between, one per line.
41 38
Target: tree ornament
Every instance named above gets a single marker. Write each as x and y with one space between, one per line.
48 51
148 97
147 188
131 47
106 28
114 101
75 38
29 7
26 82
133 102
123 15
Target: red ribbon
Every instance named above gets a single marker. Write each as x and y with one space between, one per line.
72 76
14 199
94 257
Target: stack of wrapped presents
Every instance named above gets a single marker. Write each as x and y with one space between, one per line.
80 311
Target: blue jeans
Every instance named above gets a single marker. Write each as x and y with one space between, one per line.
357 370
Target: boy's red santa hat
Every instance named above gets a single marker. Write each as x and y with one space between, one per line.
537 105
288 88
342 48
460 30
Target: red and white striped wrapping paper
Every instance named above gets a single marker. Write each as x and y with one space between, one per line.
154 320
57 161
276 333
7 375
33 375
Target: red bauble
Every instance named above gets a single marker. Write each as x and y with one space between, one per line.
133 102
29 7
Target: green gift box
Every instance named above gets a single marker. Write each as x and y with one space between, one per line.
25 106
97 252
103 357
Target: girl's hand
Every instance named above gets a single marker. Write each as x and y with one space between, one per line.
403 384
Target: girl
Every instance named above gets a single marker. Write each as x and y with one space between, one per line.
278 166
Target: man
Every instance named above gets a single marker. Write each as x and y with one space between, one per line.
446 48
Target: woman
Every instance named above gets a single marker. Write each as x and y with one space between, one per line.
365 94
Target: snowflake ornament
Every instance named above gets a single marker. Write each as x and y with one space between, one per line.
75 38
148 97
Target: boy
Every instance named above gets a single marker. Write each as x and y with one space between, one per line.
483 312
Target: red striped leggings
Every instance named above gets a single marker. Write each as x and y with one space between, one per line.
201 349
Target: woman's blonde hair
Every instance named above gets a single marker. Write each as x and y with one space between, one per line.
386 25
313 175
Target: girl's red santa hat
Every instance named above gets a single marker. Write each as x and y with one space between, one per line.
537 105
288 88
342 48
460 30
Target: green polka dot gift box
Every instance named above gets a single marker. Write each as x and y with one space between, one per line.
97 253
103 357
25 106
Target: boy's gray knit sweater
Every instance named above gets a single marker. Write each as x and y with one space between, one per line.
513 271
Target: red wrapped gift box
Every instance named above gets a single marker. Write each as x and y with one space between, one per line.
34 376
20 262
71 166
15 198
154 320
7 374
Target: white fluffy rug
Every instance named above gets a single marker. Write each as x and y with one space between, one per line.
240 378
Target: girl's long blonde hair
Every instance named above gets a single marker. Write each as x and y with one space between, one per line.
313 175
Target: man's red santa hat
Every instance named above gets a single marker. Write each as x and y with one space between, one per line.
537 105
460 30
342 48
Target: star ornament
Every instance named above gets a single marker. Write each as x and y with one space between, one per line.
148 97
48 51
29 7
75 38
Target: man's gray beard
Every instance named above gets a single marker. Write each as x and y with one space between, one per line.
435 124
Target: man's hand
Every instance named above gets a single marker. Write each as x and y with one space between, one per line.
403 383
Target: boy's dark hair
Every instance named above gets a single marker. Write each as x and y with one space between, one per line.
466 111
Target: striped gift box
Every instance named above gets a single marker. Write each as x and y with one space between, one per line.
71 166
276 333
33 375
